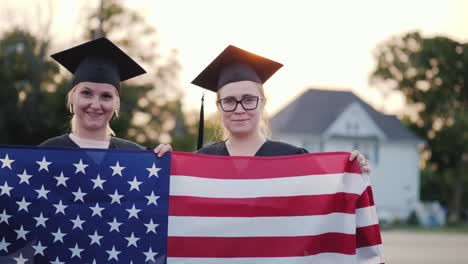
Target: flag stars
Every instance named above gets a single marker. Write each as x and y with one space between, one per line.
57 261
97 210
153 171
80 167
39 249
4 217
5 189
117 169
58 236
150 255
42 192
43 164
6 162
152 199
23 205
98 182
77 222
21 233
115 197
20 259
61 180
44 219
134 184
151 227
4 245
114 225
24 177
60 208
40 220
133 212
95 238
79 195
113 254
76 251
132 240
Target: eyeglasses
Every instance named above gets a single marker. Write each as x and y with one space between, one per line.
230 104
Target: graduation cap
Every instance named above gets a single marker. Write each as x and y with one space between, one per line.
99 61
233 65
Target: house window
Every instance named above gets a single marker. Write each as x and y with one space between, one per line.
356 128
352 128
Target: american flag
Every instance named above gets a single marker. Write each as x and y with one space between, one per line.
65 205
95 206
311 208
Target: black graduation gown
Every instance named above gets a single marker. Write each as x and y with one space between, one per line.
65 141
268 149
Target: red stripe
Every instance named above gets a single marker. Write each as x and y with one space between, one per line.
221 247
366 199
220 167
368 236
263 206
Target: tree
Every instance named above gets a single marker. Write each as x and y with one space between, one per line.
28 99
432 73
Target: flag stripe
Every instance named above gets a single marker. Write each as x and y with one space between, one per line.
263 206
366 255
322 258
254 167
286 186
220 247
366 199
271 210
368 236
261 226
365 216
370 255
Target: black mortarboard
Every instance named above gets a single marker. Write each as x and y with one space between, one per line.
233 65
99 61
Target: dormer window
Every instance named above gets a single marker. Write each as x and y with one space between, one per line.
352 128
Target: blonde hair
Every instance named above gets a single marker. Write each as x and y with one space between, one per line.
73 121
222 133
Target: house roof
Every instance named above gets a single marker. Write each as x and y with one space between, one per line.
315 110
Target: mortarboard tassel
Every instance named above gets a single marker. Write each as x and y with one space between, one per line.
201 124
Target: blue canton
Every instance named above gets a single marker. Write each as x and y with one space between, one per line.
70 205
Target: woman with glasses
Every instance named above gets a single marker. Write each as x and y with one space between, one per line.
237 77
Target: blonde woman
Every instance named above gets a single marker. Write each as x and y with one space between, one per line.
98 67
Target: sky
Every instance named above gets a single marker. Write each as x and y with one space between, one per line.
322 44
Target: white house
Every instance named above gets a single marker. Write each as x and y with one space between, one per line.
324 120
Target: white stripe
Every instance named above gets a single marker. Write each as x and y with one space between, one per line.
370 255
365 216
288 186
323 258
261 226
